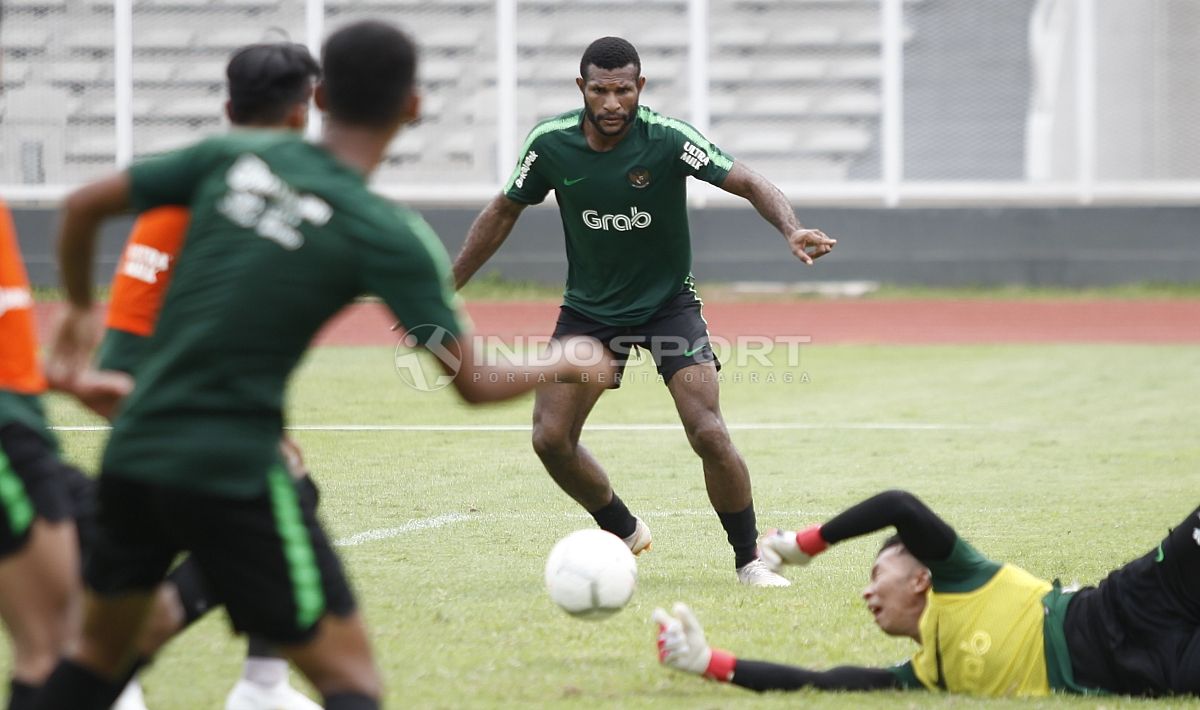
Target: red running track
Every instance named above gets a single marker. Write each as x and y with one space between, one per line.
850 321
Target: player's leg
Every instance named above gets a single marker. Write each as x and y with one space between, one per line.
1178 557
276 571
559 413
39 600
40 590
679 343
127 562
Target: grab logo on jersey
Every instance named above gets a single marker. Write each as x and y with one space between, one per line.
14 299
636 219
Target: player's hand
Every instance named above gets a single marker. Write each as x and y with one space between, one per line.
810 244
682 646
293 457
681 642
71 347
783 547
101 391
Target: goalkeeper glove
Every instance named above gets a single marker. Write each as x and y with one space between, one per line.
681 645
785 547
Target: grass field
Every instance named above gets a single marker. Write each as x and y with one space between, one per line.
1067 460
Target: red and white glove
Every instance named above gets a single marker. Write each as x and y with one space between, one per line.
786 547
681 645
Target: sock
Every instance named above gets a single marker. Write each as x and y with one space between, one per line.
21 695
350 701
615 518
73 686
115 689
742 532
265 671
194 594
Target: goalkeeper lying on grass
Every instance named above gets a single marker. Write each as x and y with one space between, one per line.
984 628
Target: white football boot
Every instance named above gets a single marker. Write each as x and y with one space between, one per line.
281 696
757 574
639 541
131 698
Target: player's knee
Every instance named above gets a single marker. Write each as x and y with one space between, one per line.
552 442
710 439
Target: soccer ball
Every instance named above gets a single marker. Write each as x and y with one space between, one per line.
591 574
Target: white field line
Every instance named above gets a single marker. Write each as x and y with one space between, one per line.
753 426
411 526
440 521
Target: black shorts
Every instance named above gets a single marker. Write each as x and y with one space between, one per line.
1138 631
676 336
35 483
267 559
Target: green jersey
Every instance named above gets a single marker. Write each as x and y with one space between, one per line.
281 237
18 408
624 211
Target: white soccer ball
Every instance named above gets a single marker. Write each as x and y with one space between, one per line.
591 574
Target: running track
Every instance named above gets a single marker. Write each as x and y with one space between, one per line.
828 322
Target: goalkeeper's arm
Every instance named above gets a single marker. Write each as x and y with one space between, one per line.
760 675
924 534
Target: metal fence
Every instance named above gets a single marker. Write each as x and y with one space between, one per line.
892 102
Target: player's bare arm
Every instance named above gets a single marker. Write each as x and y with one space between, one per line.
773 205
68 366
487 233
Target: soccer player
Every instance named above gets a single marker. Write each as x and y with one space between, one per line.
618 171
282 234
985 628
47 507
270 86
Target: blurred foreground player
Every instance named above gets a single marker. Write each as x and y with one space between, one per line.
40 496
282 235
985 628
270 86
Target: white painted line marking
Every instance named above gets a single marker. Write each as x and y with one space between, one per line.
780 426
411 526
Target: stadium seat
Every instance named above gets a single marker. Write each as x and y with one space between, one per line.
92 39
145 72
15 74
230 38
16 6
768 142
835 140
191 108
21 40
161 38
201 72
77 74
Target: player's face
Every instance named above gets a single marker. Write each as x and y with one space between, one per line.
610 97
896 594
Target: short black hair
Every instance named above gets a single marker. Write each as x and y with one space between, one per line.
610 53
267 80
891 541
370 68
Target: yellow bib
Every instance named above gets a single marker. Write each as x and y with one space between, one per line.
987 641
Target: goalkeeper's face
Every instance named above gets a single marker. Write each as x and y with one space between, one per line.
896 594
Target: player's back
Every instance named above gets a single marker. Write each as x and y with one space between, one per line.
282 235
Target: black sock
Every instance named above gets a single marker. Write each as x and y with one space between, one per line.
742 532
259 647
615 518
73 686
194 593
115 689
21 695
350 701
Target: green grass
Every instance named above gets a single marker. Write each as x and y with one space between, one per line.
1067 460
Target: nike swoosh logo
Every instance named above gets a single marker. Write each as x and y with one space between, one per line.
569 183
693 351
1160 556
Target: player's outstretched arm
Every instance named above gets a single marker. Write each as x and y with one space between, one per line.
682 646
773 205
487 233
927 537
571 360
